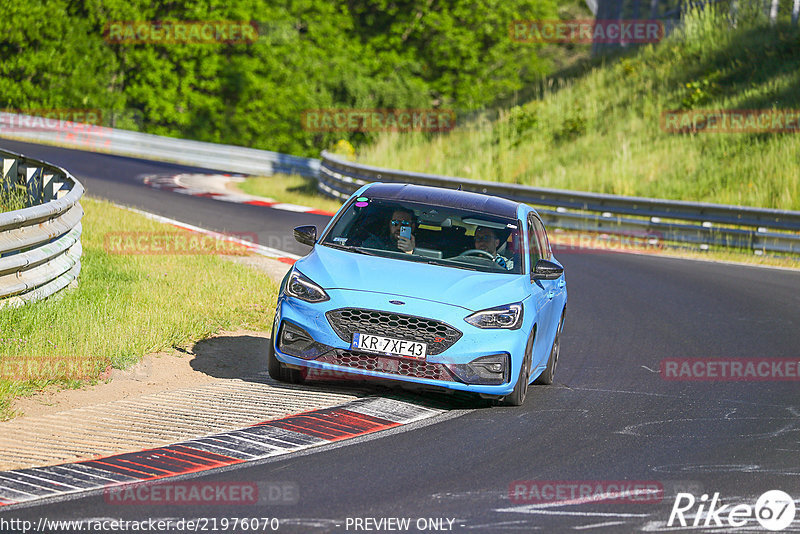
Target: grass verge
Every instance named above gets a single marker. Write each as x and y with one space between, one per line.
292 189
125 306
13 199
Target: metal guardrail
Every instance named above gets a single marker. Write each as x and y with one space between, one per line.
40 247
228 158
761 230
702 224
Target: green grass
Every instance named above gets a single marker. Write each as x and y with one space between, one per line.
600 130
13 199
293 189
126 306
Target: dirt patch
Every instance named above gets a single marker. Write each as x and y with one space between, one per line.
233 354
226 355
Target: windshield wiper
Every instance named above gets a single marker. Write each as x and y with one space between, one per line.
349 248
430 261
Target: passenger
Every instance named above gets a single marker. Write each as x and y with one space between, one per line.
401 218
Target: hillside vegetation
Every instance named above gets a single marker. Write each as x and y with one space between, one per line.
600 130
309 54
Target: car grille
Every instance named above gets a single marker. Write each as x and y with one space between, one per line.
437 335
389 365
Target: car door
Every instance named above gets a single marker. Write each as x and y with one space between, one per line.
543 293
561 283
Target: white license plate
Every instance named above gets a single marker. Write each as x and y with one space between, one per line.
389 346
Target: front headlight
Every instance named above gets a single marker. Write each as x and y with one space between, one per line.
301 287
508 316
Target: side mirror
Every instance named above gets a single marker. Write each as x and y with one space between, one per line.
306 235
546 270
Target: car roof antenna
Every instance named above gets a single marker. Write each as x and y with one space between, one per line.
459 187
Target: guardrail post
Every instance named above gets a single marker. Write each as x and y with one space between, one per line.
33 182
48 181
10 175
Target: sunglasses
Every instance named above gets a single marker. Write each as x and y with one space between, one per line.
395 222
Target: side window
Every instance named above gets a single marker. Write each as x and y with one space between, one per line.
544 245
533 243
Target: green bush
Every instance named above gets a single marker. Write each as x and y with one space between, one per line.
309 54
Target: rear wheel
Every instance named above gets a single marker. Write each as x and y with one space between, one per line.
517 397
546 378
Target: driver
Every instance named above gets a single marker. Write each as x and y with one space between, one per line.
486 239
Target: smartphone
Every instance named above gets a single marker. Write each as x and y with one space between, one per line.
405 231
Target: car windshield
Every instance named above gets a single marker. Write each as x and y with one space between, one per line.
433 234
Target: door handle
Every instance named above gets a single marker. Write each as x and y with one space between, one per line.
551 294
562 283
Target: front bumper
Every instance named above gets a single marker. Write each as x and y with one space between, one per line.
329 350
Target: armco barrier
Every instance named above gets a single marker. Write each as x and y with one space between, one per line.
693 223
227 158
40 247
690 223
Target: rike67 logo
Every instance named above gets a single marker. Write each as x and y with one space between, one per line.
774 510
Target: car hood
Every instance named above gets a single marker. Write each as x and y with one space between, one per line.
471 290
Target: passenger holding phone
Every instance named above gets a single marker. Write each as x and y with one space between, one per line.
401 230
402 225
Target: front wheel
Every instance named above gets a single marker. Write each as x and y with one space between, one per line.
279 371
517 397
546 378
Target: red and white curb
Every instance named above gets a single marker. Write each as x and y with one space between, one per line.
214 186
262 440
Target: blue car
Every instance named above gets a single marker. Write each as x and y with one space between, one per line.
427 287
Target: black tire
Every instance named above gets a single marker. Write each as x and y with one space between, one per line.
273 365
547 376
279 371
517 397
294 376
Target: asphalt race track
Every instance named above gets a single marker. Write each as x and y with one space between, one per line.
118 178
610 417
